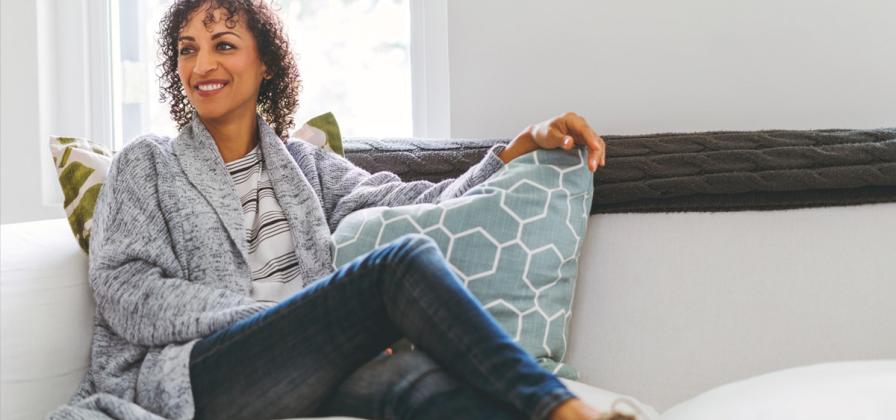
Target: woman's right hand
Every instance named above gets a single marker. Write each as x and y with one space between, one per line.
564 132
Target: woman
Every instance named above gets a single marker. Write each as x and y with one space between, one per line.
208 309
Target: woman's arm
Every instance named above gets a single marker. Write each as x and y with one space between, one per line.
134 270
344 187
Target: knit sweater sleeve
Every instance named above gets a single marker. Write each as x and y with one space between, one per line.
134 273
344 187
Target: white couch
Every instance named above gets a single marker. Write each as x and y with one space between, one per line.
47 315
667 305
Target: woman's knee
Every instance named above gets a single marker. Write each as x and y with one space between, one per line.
414 259
415 241
414 245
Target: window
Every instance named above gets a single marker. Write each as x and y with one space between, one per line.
353 56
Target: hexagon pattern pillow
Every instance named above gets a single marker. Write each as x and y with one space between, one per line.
514 240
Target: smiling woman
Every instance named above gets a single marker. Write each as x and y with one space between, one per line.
217 47
211 267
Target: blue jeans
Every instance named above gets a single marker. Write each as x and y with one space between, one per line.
320 352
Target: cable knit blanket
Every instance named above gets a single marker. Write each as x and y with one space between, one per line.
711 171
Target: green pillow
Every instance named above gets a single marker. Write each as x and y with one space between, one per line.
82 167
514 240
322 131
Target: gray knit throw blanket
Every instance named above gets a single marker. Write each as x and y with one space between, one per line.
711 171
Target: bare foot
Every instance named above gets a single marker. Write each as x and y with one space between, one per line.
576 409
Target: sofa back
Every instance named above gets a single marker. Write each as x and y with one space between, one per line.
668 305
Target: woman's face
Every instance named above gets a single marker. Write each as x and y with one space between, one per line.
219 67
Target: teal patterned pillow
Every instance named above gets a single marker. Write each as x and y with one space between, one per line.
514 240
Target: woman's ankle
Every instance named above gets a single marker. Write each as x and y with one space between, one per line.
574 409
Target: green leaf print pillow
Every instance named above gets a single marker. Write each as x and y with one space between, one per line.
82 167
514 240
322 131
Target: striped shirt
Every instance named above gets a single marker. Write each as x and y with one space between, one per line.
272 257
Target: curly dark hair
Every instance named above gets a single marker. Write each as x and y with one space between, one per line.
278 96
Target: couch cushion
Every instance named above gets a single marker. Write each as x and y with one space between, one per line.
846 390
47 317
730 295
514 240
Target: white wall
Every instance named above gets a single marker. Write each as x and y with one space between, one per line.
644 66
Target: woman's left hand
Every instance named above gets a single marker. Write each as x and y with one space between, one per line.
563 131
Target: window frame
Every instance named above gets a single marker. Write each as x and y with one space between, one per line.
430 81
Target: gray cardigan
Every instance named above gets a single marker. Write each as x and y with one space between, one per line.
168 255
